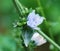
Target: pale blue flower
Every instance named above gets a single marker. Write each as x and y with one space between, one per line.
34 20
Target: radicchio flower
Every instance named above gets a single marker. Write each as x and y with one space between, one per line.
34 20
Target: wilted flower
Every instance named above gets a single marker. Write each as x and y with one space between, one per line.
34 20
26 39
39 40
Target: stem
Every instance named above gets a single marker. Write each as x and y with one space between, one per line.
49 39
18 3
20 7
51 36
42 12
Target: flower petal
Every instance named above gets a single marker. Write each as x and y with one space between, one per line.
34 20
39 40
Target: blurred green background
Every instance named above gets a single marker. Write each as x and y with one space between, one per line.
9 14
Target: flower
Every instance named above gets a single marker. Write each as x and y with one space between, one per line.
26 39
39 40
34 20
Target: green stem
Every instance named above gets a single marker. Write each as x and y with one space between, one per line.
20 7
49 39
51 35
42 12
17 1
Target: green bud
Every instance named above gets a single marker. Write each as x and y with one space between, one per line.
23 12
19 23
26 10
24 22
23 19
